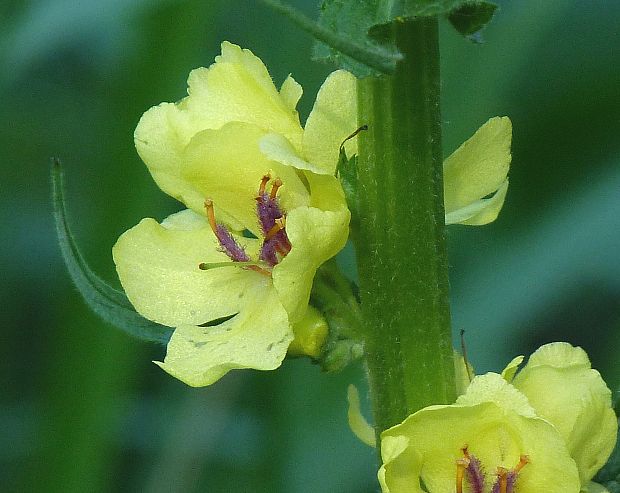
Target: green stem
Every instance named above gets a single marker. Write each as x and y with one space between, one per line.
403 266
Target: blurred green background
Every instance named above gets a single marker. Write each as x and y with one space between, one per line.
83 409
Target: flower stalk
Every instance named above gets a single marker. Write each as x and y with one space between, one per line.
403 266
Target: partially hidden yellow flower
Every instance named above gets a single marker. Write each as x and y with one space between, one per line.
260 218
489 441
498 433
564 389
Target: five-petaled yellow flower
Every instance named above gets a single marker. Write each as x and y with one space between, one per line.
233 151
264 211
547 429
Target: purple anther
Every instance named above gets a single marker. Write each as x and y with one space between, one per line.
267 210
475 474
268 252
230 246
275 245
511 479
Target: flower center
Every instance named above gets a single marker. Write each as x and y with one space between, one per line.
469 471
272 221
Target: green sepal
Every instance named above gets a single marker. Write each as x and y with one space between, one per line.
470 18
346 171
336 298
110 304
609 475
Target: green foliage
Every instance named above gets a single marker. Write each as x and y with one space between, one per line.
364 23
609 476
470 18
357 53
336 298
110 304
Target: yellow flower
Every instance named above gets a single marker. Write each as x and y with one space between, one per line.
489 441
260 218
561 386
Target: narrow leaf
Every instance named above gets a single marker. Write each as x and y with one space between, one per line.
110 304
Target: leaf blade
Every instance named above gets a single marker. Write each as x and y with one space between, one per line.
109 303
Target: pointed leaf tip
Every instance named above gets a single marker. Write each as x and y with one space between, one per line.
110 304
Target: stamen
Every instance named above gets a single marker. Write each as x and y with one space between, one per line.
263 184
211 215
278 226
255 266
274 188
502 474
461 465
523 461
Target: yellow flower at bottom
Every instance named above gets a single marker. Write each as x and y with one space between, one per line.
562 387
489 441
233 272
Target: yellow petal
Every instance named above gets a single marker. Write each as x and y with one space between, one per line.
310 334
561 386
480 212
316 235
496 435
226 165
479 167
257 338
358 424
492 387
291 92
237 87
158 268
510 371
279 149
332 119
160 138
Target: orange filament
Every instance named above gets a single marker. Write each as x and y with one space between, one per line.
263 184
461 465
283 250
502 473
274 189
211 215
523 461
260 270
278 226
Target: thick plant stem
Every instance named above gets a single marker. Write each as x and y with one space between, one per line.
403 266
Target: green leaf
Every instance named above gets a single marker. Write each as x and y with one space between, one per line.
109 303
363 56
352 20
609 475
363 23
472 17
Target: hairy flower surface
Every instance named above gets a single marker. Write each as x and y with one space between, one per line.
562 387
264 211
489 441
